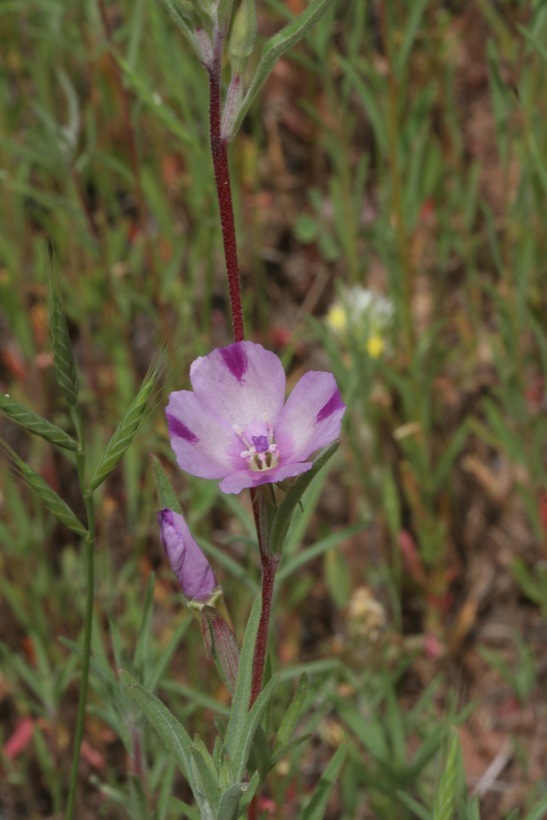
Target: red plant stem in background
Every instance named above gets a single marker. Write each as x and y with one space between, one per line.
219 151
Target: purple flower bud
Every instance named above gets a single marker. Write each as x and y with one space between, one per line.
188 562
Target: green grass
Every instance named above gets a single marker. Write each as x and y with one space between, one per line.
402 147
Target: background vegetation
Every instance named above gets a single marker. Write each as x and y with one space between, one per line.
401 148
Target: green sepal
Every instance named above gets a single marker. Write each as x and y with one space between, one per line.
34 423
282 517
124 433
166 494
49 497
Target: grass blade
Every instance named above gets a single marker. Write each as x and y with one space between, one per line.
34 423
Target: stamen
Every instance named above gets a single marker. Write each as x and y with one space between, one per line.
261 451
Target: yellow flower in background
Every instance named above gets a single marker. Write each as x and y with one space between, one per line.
337 318
364 316
375 346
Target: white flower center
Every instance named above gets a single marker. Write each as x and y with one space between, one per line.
261 451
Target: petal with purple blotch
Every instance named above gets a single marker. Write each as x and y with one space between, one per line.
243 383
204 445
311 418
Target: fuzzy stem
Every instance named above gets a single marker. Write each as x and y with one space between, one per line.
219 152
269 569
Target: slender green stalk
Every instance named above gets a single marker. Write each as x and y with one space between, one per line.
89 549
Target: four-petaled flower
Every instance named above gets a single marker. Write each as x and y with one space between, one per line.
187 560
236 426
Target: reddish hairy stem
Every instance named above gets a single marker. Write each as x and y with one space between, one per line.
219 152
269 568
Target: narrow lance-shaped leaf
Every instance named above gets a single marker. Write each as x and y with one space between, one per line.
63 359
315 810
124 433
174 735
284 512
240 703
292 715
281 42
237 797
49 497
34 423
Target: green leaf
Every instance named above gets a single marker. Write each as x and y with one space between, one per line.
245 737
249 792
329 542
281 42
34 423
539 811
229 802
284 512
237 724
154 675
174 735
207 771
166 494
420 811
293 713
49 497
143 91
124 433
315 810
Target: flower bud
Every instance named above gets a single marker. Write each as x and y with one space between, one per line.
242 36
187 560
220 642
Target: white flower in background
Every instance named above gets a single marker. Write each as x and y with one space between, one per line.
364 315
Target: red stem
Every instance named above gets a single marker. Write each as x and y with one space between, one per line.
219 152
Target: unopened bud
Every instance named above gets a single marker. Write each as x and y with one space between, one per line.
242 36
187 560
221 644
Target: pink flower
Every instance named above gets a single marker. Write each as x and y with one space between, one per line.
188 562
236 425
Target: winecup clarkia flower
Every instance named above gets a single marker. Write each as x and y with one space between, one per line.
236 425
187 560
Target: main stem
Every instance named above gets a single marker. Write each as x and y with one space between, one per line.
219 152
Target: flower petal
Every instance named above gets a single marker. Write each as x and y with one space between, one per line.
311 418
204 445
187 560
242 383
242 479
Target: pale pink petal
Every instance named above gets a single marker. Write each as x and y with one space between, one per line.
242 383
311 418
243 479
187 560
204 445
